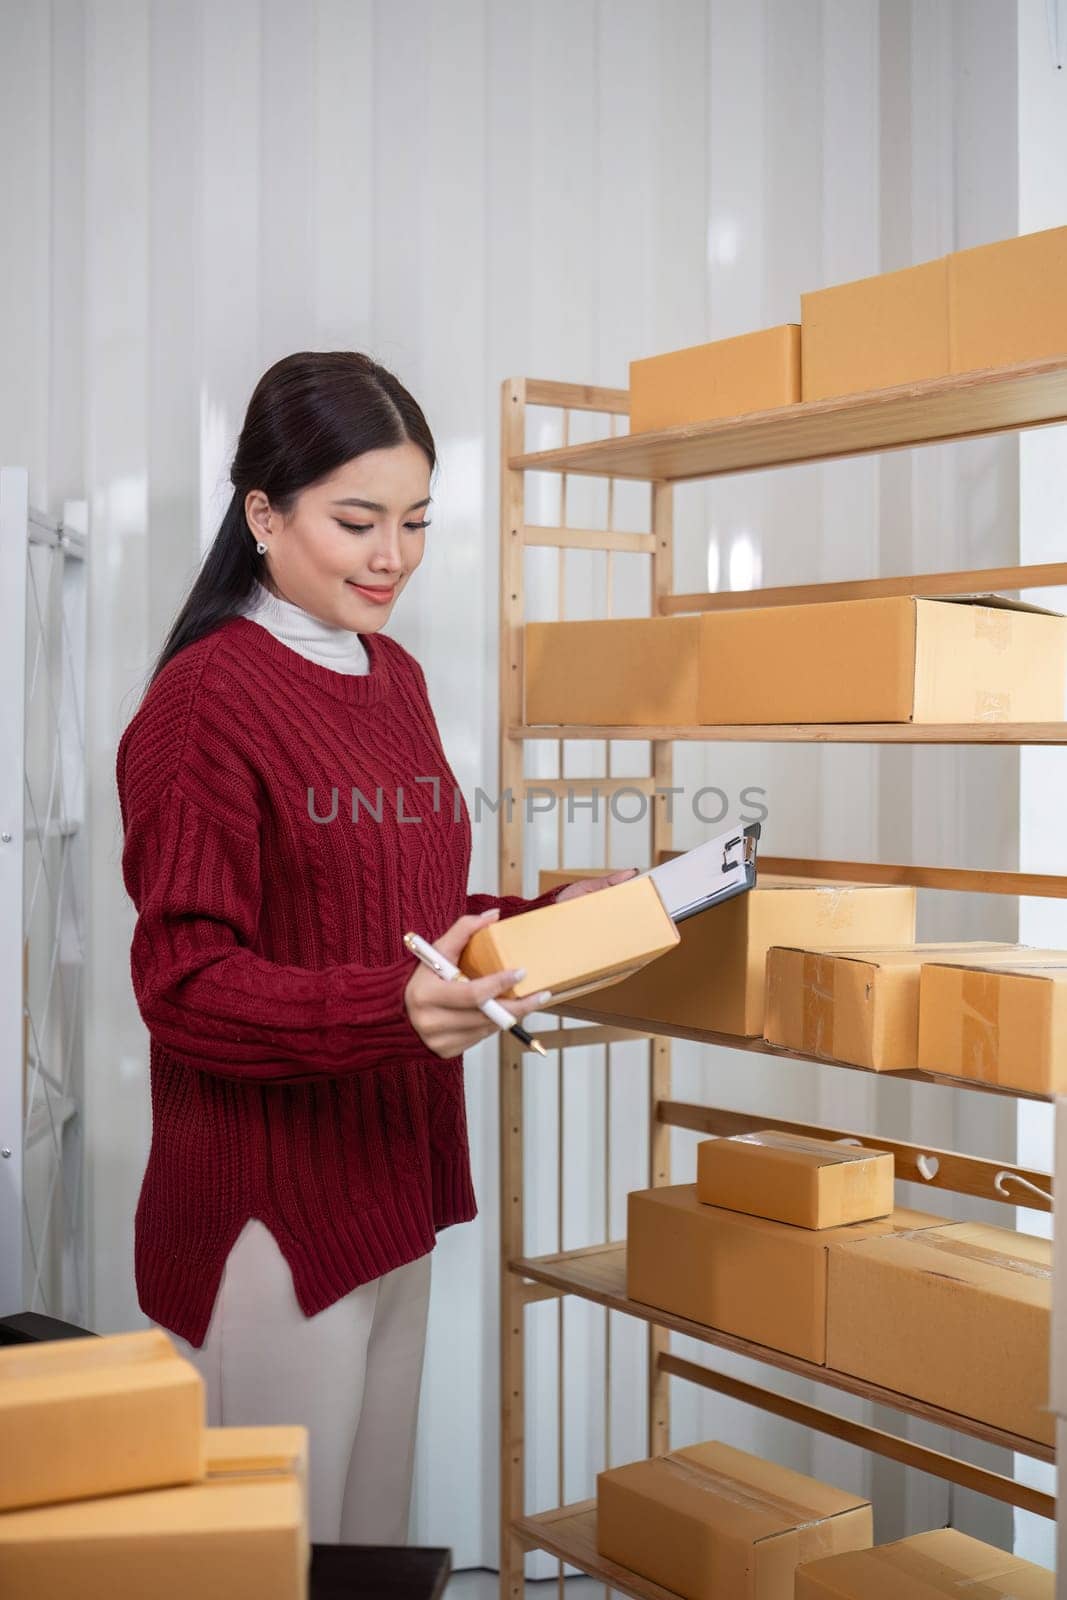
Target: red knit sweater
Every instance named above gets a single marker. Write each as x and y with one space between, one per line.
287 1081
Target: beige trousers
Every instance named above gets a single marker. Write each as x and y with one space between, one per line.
351 1374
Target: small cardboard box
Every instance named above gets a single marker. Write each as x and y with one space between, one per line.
926 1566
875 333
1006 301
713 1523
957 1316
998 1019
271 1451
715 979
228 1538
966 658
811 1183
575 945
727 378
641 671
82 1417
763 1281
860 1006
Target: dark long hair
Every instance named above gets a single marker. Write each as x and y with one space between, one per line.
309 414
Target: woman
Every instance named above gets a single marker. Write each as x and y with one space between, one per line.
289 814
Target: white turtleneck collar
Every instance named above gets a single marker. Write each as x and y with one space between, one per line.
331 646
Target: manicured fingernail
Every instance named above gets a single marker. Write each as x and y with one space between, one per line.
544 997
490 914
517 973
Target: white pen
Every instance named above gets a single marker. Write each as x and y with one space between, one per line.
431 957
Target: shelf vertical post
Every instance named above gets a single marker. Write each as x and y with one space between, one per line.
510 797
659 1063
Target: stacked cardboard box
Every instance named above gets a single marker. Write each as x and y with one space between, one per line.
759 1280
997 305
958 659
856 1005
928 1565
788 1177
110 1482
714 980
727 378
709 1522
902 1310
997 1018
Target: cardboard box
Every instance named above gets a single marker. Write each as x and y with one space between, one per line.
1006 301
763 1281
641 672
810 1183
713 1523
924 1567
997 1019
860 1006
727 378
83 1417
260 1452
715 979
875 333
575 945
223 1539
1058 1378
957 1316
968 658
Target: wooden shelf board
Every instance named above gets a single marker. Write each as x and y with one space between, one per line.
760 1047
961 406
1011 733
570 1533
599 1275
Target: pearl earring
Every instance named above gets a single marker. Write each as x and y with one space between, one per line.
261 547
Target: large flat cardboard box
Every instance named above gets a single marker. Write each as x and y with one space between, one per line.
715 979
1006 301
859 1006
228 1538
763 1281
713 1523
575 945
786 1177
82 1417
968 658
957 1316
997 1020
727 378
928 1566
640 672
875 333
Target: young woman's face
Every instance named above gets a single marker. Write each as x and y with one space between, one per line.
352 541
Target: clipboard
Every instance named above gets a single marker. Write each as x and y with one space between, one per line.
708 874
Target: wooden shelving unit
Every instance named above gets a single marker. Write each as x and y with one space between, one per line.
1032 395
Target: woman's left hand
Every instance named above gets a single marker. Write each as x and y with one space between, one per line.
591 885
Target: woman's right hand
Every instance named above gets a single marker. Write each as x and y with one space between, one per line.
445 1015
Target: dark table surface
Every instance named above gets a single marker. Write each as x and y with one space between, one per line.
338 1571
343 1572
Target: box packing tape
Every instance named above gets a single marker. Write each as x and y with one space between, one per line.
980 1024
817 1012
773 1139
979 1253
747 1497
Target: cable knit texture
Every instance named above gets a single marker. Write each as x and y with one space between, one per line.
267 961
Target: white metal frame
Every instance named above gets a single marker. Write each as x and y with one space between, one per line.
43 903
